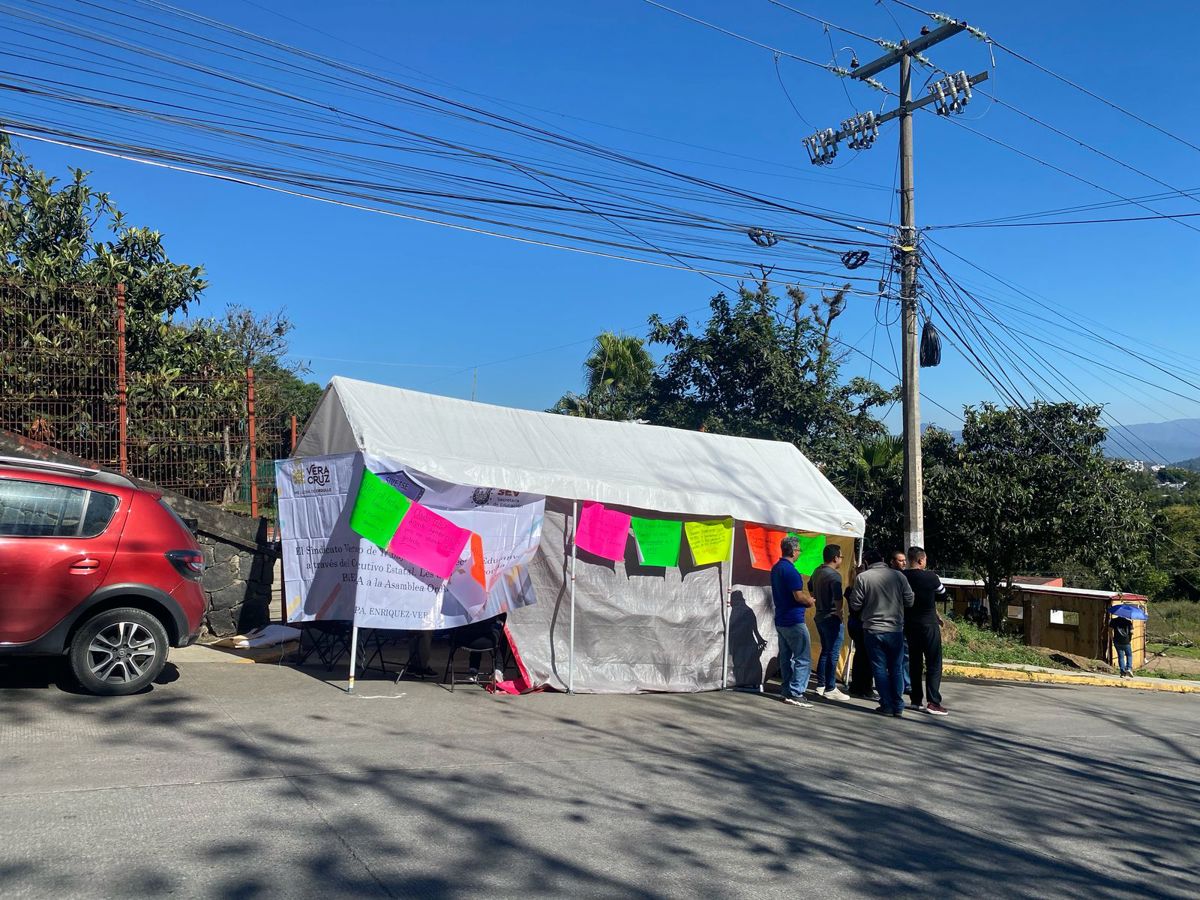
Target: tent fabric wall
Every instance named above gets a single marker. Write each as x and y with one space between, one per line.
641 628
637 628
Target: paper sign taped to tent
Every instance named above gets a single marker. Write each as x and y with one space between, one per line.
428 540
763 544
811 553
709 542
602 532
657 541
378 510
332 573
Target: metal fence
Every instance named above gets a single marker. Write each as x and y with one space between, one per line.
64 381
60 352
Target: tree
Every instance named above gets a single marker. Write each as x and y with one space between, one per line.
617 376
874 485
1176 550
64 247
1030 490
756 371
48 238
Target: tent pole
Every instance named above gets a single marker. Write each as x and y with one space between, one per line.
571 653
353 657
726 599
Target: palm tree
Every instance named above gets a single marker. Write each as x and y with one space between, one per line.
878 457
617 374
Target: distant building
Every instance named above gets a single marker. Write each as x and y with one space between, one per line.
1074 620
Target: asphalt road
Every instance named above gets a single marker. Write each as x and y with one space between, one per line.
255 780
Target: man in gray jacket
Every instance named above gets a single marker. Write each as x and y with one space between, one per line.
880 595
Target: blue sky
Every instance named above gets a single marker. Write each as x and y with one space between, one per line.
421 306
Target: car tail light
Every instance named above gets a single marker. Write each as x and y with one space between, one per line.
190 563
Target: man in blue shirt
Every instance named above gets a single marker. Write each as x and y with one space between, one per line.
791 600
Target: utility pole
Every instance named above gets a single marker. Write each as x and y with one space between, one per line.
950 94
914 482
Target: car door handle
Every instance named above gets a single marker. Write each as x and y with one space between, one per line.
85 566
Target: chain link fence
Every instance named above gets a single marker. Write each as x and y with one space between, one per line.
64 381
60 350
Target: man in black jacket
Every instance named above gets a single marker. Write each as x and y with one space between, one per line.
923 630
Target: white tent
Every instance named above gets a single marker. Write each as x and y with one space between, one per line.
625 610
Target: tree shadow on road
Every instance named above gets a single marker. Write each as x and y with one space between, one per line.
656 796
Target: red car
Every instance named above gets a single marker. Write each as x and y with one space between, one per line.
96 568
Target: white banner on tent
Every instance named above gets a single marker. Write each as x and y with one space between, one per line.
332 573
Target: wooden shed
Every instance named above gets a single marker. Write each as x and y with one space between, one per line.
1074 620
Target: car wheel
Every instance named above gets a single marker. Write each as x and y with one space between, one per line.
118 652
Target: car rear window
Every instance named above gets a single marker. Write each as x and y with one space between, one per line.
100 509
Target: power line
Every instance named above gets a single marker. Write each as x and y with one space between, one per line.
741 37
1066 172
1055 75
1154 218
1103 154
1062 210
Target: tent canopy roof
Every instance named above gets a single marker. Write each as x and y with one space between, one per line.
622 463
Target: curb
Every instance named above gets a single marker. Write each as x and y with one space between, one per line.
1019 675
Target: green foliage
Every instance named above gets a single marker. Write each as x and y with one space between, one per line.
1030 490
756 371
976 645
1191 466
54 234
63 249
875 486
617 376
1175 623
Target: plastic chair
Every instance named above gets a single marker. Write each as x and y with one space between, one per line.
473 643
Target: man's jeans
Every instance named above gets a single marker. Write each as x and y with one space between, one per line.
904 667
887 655
830 630
1125 657
860 665
795 659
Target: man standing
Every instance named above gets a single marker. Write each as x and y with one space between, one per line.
1122 638
898 560
923 629
791 600
880 595
861 682
825 585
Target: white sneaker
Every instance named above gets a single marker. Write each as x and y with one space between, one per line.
793 701
835 694
820 692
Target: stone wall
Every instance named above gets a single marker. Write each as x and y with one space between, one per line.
238 581
239 560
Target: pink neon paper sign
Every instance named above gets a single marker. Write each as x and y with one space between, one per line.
428 540
602 532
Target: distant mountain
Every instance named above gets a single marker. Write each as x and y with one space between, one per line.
1193 464
1157 442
